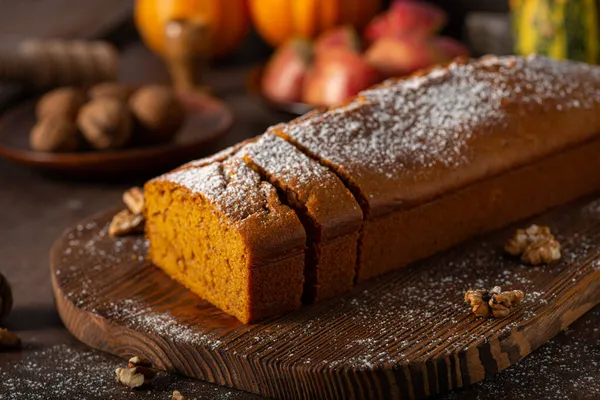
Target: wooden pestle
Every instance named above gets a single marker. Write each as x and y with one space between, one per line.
186 52
43 63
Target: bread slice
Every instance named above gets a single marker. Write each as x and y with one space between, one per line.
224 234
444 155
330 215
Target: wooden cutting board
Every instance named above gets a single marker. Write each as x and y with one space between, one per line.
405 335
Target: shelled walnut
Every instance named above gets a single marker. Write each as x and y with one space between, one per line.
536 245
105 123
126 222
134 200
177 396
139 372
542 251
158 112
130 220
494 301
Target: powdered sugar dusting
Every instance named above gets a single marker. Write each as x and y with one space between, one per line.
133 314
320 192
284 161
568 367
402 129
231 186
74 372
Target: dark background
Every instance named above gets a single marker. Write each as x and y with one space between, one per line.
35 208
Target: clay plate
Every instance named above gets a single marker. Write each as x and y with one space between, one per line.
208 119
290 107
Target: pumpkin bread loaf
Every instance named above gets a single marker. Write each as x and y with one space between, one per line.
330 215
223 233
431 160
455 151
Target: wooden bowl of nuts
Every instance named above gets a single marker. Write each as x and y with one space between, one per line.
112 129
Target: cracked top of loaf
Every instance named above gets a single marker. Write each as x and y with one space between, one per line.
392 143
328 202
239 195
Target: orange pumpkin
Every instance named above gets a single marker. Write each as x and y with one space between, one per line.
279 20
227 21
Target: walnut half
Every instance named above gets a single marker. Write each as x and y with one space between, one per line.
125 222
177 396
138 373
536 245
494 301
130 220
134 200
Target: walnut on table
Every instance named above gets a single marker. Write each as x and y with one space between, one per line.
494 301
177 396
139 372
536 245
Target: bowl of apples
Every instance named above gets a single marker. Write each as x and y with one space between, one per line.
303 74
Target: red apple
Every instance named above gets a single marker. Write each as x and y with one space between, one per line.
402 56
344 37
336 76
406 18
451 48
284 74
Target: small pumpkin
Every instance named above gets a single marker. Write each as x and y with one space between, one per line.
227 21
557 28
279 20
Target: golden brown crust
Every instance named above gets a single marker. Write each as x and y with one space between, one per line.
408 141
432 159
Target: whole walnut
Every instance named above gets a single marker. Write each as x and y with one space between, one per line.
105 123
54 134
158 112
110 89
6 299
64 102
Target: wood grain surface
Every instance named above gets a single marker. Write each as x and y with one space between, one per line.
404 335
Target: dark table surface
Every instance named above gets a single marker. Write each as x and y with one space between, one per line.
35 208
